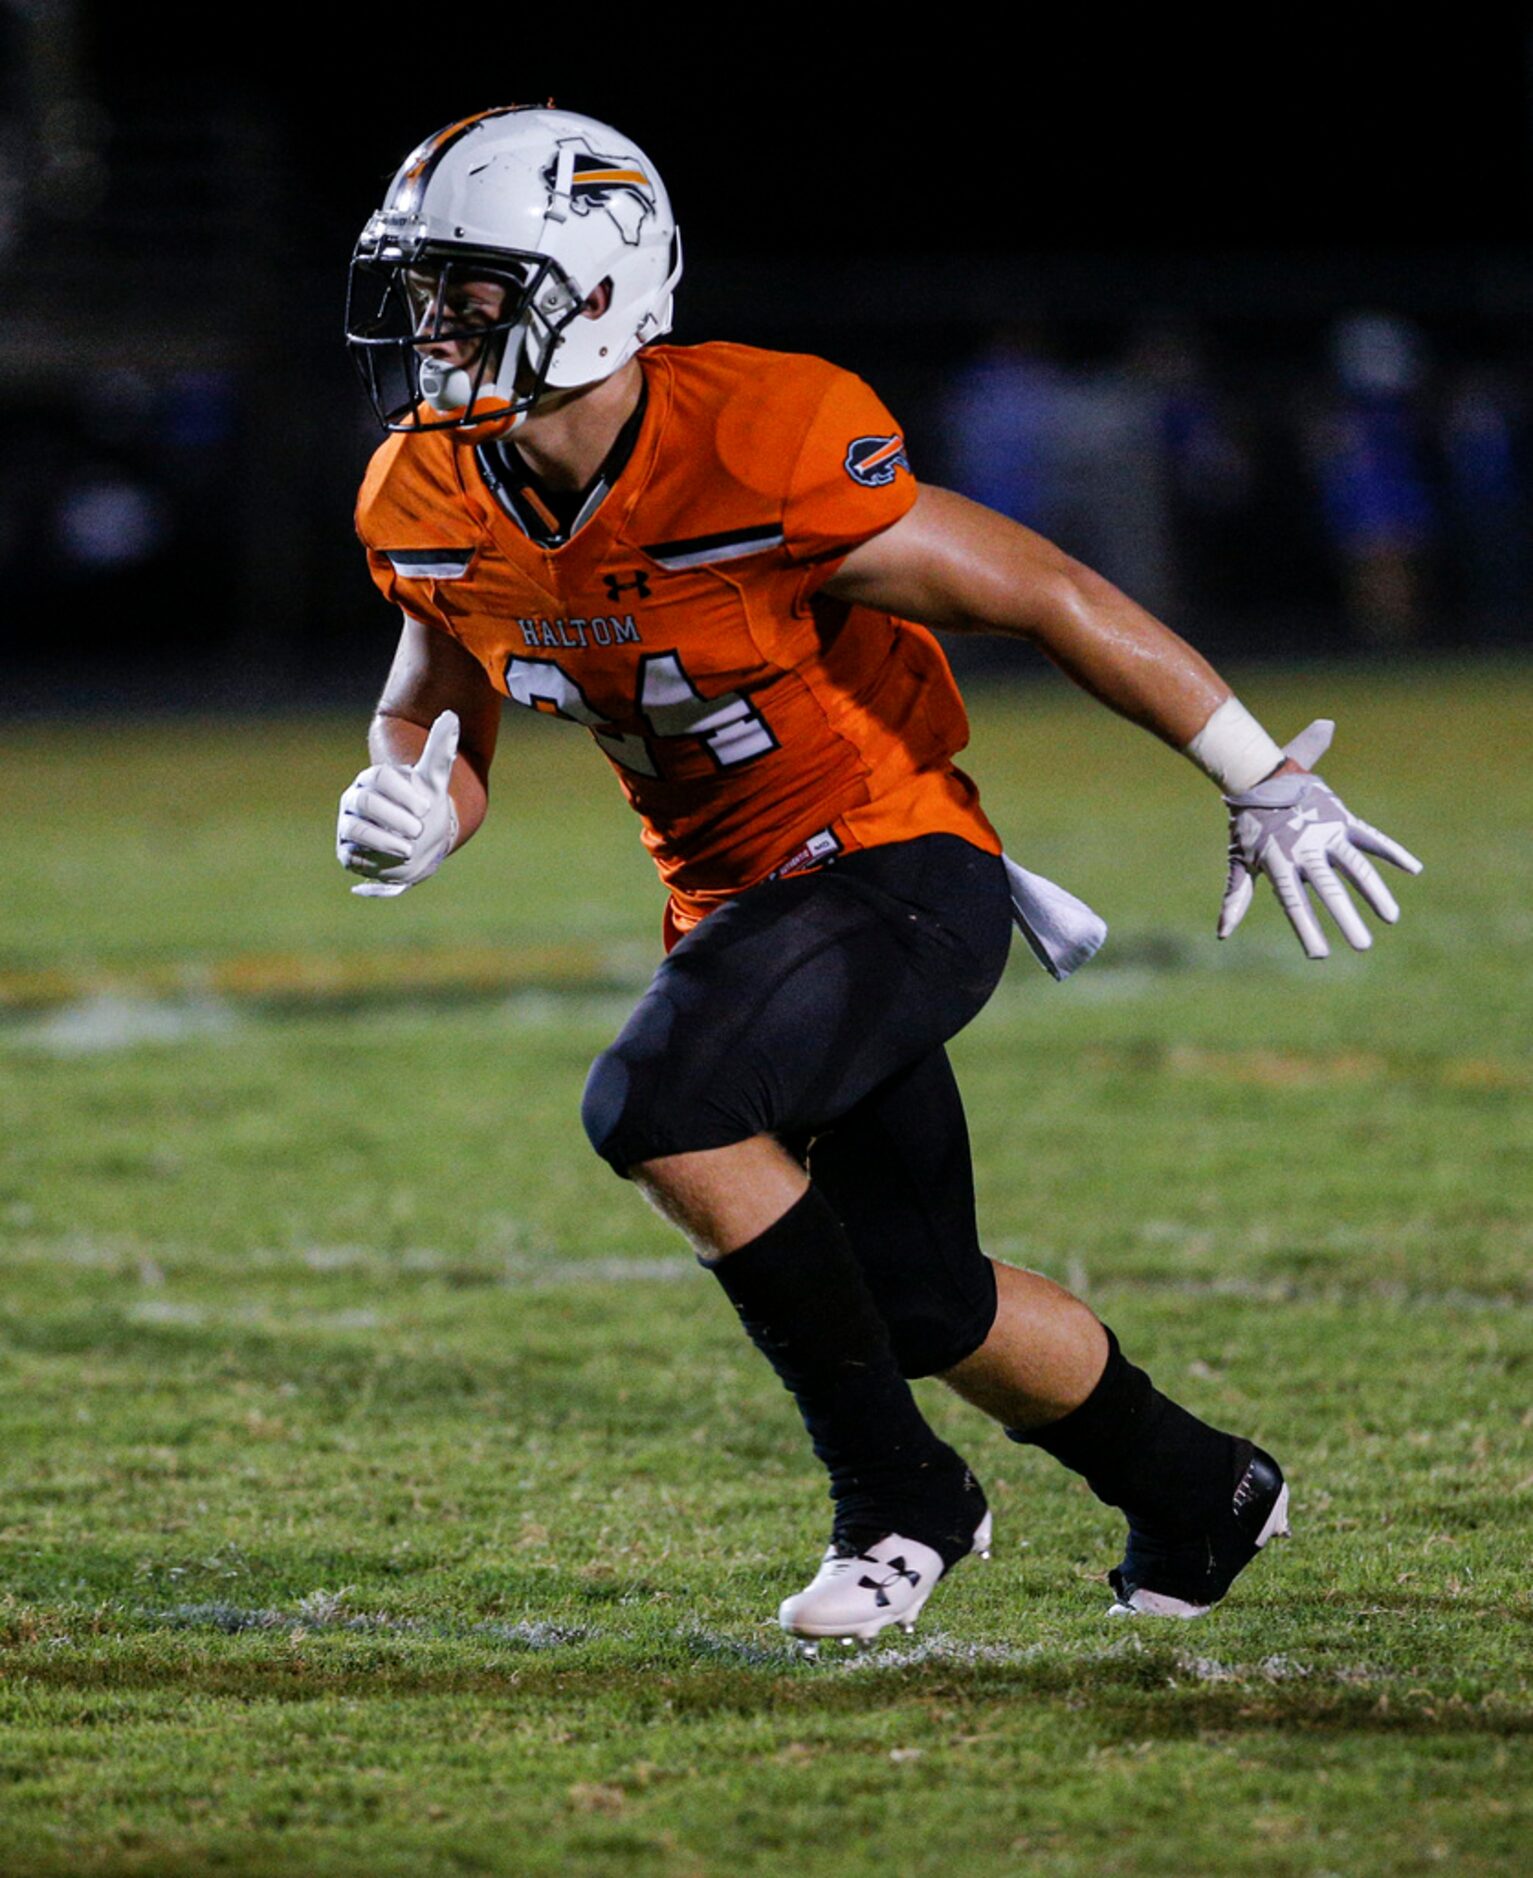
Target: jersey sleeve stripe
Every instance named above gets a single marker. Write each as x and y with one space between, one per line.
731 544
430 563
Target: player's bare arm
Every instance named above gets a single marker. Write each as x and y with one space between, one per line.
959 567
432 740
431 674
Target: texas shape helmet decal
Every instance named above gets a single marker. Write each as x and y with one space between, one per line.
587 181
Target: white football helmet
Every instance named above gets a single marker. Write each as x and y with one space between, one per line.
546 205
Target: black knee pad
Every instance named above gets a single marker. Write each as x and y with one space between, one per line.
644 1099
928 1341
606 1095
898 1172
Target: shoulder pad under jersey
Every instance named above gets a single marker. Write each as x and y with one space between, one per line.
412 492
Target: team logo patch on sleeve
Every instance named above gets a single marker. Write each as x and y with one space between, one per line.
874 461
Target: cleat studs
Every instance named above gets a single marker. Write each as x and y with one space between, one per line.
909 1627
847 1642
985 1553
809 1652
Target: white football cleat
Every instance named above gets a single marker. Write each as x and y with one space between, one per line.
859 1592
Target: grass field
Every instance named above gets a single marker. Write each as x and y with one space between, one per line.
386 1492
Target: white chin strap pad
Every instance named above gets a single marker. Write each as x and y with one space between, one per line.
448 388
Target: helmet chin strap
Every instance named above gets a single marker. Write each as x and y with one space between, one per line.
447 388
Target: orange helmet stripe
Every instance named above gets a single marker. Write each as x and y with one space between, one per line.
410 180
611 176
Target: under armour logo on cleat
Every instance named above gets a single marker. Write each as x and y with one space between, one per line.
880 1586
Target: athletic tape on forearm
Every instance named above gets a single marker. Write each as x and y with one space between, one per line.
1234 749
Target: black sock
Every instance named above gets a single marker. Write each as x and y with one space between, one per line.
803 1299
1140 1451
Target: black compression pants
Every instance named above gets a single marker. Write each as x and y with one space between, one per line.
815 1009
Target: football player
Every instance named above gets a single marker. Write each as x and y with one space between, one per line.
719 562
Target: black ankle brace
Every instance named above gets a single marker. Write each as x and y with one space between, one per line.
1142 1452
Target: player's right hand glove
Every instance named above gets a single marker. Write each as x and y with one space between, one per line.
397 822
1295 831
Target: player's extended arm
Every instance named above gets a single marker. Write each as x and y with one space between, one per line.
956 566
432 740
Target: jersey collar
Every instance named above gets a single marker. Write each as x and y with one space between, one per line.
551 517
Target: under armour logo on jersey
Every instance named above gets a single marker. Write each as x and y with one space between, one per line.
637 584
873 461
880 1586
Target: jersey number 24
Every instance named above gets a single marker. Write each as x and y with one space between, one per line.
668 705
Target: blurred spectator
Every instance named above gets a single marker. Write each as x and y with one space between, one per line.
1376 487
1209 472
106 521
1488 500
1004 417
112 512
1075 453
119 505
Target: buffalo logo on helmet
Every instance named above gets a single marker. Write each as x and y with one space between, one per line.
593 181
874 461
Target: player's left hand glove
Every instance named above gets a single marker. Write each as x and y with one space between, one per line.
397 822
1295 831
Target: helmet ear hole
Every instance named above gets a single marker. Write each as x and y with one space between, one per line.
597 300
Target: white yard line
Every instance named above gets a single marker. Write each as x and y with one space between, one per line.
325 1612
157 1265
1371 1291
110 1021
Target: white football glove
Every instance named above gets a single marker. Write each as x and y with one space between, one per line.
397 822
1295 831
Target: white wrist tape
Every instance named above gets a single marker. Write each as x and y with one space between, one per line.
1234 749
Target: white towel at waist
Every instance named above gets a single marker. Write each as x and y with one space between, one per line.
1062 931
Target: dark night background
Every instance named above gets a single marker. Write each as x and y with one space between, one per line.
1171 138
1164 224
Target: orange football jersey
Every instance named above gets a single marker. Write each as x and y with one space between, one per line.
756 724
